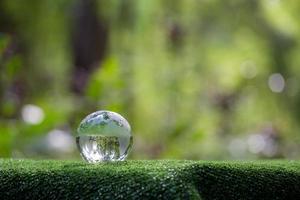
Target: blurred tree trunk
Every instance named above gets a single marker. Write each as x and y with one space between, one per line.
89 42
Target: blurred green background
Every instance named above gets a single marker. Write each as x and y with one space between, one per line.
196 79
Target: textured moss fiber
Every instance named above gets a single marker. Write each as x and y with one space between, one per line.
155 179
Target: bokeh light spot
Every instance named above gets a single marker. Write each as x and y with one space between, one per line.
248 69
256 143
60 140
32 114
276 83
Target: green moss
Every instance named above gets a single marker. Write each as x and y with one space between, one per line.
156 179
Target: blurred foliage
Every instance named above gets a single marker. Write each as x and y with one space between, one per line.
195 79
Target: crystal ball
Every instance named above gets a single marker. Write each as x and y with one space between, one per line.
104 136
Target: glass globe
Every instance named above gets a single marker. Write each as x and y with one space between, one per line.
104 136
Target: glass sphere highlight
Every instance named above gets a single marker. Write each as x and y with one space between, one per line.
104 136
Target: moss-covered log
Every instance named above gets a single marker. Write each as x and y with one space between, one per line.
155 179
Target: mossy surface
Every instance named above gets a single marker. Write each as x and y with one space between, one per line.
155 179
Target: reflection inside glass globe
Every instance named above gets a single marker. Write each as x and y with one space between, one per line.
104 136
